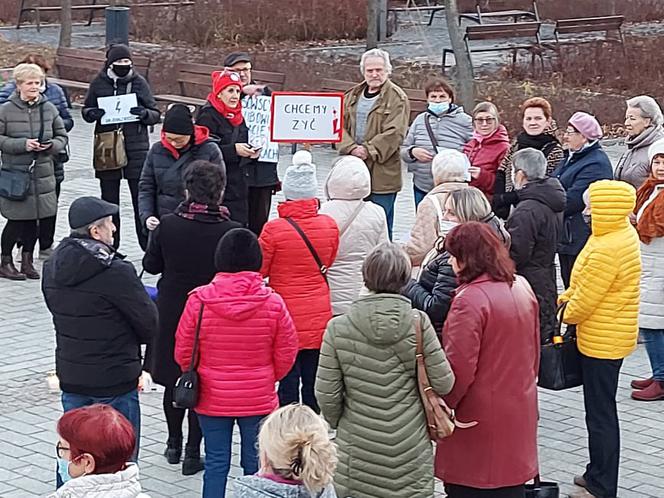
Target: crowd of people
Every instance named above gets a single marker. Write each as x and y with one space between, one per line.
319 300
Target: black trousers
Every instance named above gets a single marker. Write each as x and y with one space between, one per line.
24 231
600 384
566 265
304 369
110 192
174 419
47 225
458 491
260 202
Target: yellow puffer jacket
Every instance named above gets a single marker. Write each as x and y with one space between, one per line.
603 297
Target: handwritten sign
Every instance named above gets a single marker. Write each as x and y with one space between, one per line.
308 117
256 112
117 108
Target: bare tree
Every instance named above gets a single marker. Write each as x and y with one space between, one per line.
373 12
464 68
65 24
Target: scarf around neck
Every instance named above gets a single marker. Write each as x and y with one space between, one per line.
233 115
651 223
205 213
538 142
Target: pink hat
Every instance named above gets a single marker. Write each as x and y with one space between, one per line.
587 125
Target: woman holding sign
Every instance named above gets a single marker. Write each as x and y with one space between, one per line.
120 103
222 115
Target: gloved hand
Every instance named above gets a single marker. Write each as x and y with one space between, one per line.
95 113
139 111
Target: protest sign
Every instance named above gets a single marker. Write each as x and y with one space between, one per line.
307 117
117 108
256 112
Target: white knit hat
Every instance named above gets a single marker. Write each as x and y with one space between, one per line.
657 148
300 178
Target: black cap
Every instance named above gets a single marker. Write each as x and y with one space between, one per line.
235 57
86 210
238 250
117 52
178 120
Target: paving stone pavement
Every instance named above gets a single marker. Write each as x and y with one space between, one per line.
28 411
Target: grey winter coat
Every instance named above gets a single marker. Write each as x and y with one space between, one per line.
367 389
634 166
260 487
19 122
451 129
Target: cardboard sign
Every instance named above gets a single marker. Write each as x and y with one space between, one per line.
307 117
117 108
256 112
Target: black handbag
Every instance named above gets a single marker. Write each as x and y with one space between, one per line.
185 392
15 183
542 489
560 361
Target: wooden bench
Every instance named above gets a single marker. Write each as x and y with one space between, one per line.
76 68
490 9
432 9
584 26
34 6
527 35
195 83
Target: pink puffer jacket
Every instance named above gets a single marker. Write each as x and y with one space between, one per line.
247 343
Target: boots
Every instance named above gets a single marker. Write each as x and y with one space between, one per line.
8 270
193 463
653 392
173 450
27 268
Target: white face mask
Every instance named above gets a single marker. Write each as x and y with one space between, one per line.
446 226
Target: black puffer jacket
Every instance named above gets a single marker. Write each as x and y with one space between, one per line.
161 188
236 197
101 315
137 141
535 226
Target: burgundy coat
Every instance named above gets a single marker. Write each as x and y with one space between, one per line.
487 155
491 339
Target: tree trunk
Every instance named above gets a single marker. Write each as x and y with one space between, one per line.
465 83
373 11
65 24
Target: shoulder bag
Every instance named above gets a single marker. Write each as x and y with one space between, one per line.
321 267
560 362
109 148
351 219
441 419
185 392
432 137
542 489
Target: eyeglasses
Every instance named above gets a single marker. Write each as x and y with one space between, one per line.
571 131
59 450
484 120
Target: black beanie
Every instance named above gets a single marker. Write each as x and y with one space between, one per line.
117 52
238 250
178 120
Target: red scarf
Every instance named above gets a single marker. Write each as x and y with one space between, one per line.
651 222
233 115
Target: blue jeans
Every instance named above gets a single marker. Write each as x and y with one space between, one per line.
386 201
654 341
418 195
218 436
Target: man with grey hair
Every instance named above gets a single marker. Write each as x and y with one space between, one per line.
101 313
376 116
535 226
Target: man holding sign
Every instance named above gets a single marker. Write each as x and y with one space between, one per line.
376 114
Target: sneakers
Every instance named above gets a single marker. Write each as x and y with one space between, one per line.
654 392
642 383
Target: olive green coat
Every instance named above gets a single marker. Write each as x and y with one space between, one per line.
367 390
18 123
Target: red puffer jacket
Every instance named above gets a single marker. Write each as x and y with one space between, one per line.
247 343
293 271
487 155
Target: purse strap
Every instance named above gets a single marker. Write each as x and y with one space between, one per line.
560 313
194 354
321 267
351 219
432 137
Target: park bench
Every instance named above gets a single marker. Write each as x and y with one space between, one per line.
195 82
432 10
487 10
27 6
76 68
511 37
575 31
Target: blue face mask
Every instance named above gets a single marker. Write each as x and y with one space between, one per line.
63 470
439 107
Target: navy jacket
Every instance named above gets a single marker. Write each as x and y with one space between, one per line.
576 173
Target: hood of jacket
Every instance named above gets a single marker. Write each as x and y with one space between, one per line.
122 484
201 135
15 99
301 208
261 487
383 319
611 203
235 295
348 181
78 259
646 138
498 136
548 191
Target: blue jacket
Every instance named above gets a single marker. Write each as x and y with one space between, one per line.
576 173
54 94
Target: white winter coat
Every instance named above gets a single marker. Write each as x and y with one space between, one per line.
347 184
122 484
651 309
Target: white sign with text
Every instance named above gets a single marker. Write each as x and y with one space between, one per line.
117 108
256 112
307 117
